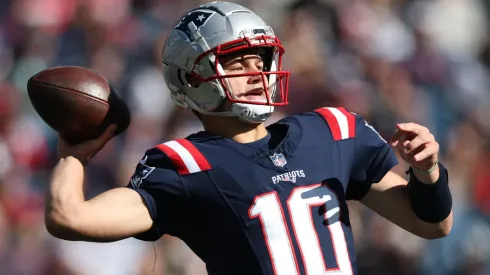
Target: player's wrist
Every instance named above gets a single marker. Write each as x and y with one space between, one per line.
70 161
426 171
431 202
428 176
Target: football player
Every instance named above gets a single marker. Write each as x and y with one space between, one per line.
246 198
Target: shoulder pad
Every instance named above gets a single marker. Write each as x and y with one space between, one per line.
341 122
186 158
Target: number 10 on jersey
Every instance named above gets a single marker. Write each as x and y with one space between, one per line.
269 210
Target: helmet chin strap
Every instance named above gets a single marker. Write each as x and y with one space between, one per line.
251 113
248 113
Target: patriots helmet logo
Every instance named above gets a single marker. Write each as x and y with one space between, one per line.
198 17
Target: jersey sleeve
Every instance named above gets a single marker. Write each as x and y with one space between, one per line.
162 190
373 158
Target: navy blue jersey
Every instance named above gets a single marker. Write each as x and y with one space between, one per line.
275 206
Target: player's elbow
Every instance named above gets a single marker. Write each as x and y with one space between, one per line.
445 226
440 230
61 224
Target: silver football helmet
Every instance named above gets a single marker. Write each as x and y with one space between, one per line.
193 49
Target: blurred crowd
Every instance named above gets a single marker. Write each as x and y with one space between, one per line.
425 61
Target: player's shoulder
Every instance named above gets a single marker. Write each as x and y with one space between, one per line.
338 123
180 155
166 164
154 169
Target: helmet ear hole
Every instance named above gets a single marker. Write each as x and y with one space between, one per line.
194 82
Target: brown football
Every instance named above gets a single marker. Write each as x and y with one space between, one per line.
77 102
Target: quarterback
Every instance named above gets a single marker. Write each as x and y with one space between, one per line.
246 198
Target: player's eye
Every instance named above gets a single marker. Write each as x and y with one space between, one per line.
236 68
259 65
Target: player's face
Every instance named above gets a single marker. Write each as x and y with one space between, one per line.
249 88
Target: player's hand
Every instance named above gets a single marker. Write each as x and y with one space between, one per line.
86 150
416 145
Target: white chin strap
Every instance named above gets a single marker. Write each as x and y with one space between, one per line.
249 113
252 113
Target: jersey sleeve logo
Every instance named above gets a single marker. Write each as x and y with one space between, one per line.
341 122
143 160
140 175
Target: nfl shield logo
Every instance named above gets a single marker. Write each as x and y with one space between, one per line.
278 160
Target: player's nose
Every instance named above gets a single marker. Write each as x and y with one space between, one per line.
254 79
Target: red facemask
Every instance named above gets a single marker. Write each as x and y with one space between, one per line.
274 80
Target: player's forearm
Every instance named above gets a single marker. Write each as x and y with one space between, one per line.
392 199
64 197
113 215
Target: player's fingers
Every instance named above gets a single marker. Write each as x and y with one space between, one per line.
430 150
412 127
108 134
98 143
401 138
395 138
61 145
402 142
410 155
418 141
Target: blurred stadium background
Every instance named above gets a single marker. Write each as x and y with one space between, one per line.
426 61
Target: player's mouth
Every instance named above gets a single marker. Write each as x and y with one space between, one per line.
257 94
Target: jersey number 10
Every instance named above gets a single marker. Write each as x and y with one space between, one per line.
267 207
